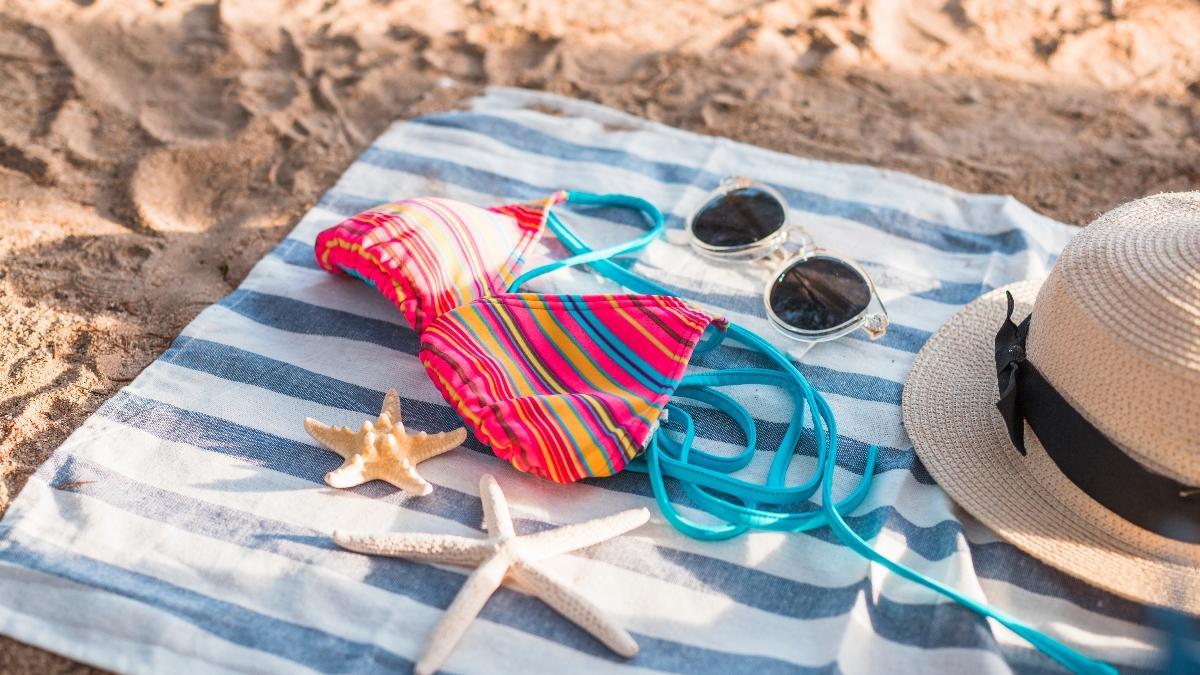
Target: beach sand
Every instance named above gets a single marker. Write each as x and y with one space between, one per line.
152 151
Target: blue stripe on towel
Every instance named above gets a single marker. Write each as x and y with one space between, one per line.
948 292
892 221
304 645
301 317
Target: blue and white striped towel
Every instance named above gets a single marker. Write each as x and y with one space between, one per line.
201 541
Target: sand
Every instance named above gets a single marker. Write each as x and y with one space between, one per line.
151 152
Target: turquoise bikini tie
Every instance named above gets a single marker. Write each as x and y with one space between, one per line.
706 478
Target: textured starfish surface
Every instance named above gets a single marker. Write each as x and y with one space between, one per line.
504 555
383 450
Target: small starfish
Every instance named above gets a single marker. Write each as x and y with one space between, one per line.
383 450
504 553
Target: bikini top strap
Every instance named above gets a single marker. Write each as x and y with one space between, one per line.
584 254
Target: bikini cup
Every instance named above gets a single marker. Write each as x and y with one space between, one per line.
431 255
564 386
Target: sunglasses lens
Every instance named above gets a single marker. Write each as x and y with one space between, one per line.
819 293
738 218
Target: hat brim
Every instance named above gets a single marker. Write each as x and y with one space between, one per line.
950 414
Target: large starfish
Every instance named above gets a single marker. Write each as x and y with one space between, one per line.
504 553
383 450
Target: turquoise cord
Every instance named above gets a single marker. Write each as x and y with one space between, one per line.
705 477
1068 657
584 257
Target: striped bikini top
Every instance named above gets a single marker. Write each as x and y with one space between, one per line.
578 386
562 386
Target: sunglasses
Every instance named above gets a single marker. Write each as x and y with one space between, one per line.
815 295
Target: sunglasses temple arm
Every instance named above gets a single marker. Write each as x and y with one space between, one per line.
875 319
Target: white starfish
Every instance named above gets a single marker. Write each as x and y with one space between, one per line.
504 553
383 450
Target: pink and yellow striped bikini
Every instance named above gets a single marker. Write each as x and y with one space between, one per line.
562 386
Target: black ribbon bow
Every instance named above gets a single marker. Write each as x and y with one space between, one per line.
1085 455
1010 355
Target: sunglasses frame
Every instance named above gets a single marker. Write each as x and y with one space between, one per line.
874 317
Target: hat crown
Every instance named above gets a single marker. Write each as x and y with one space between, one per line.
1116 330
1136 272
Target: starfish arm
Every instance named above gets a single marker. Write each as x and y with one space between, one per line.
496 517
575 607
401 474
425 446
391 408
466 606
338 439
434 548
569 538
348 475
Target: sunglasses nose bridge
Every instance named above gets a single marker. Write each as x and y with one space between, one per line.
798 237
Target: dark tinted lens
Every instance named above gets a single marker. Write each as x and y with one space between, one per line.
819 293
738 217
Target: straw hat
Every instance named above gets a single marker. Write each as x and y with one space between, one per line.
1115 331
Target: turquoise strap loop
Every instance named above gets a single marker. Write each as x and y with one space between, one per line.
721 401
733 500
691 529
601 264
712 338
604 254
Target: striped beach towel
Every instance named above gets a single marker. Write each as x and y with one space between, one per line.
196 537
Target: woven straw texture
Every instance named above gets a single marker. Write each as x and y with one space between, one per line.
1116 329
